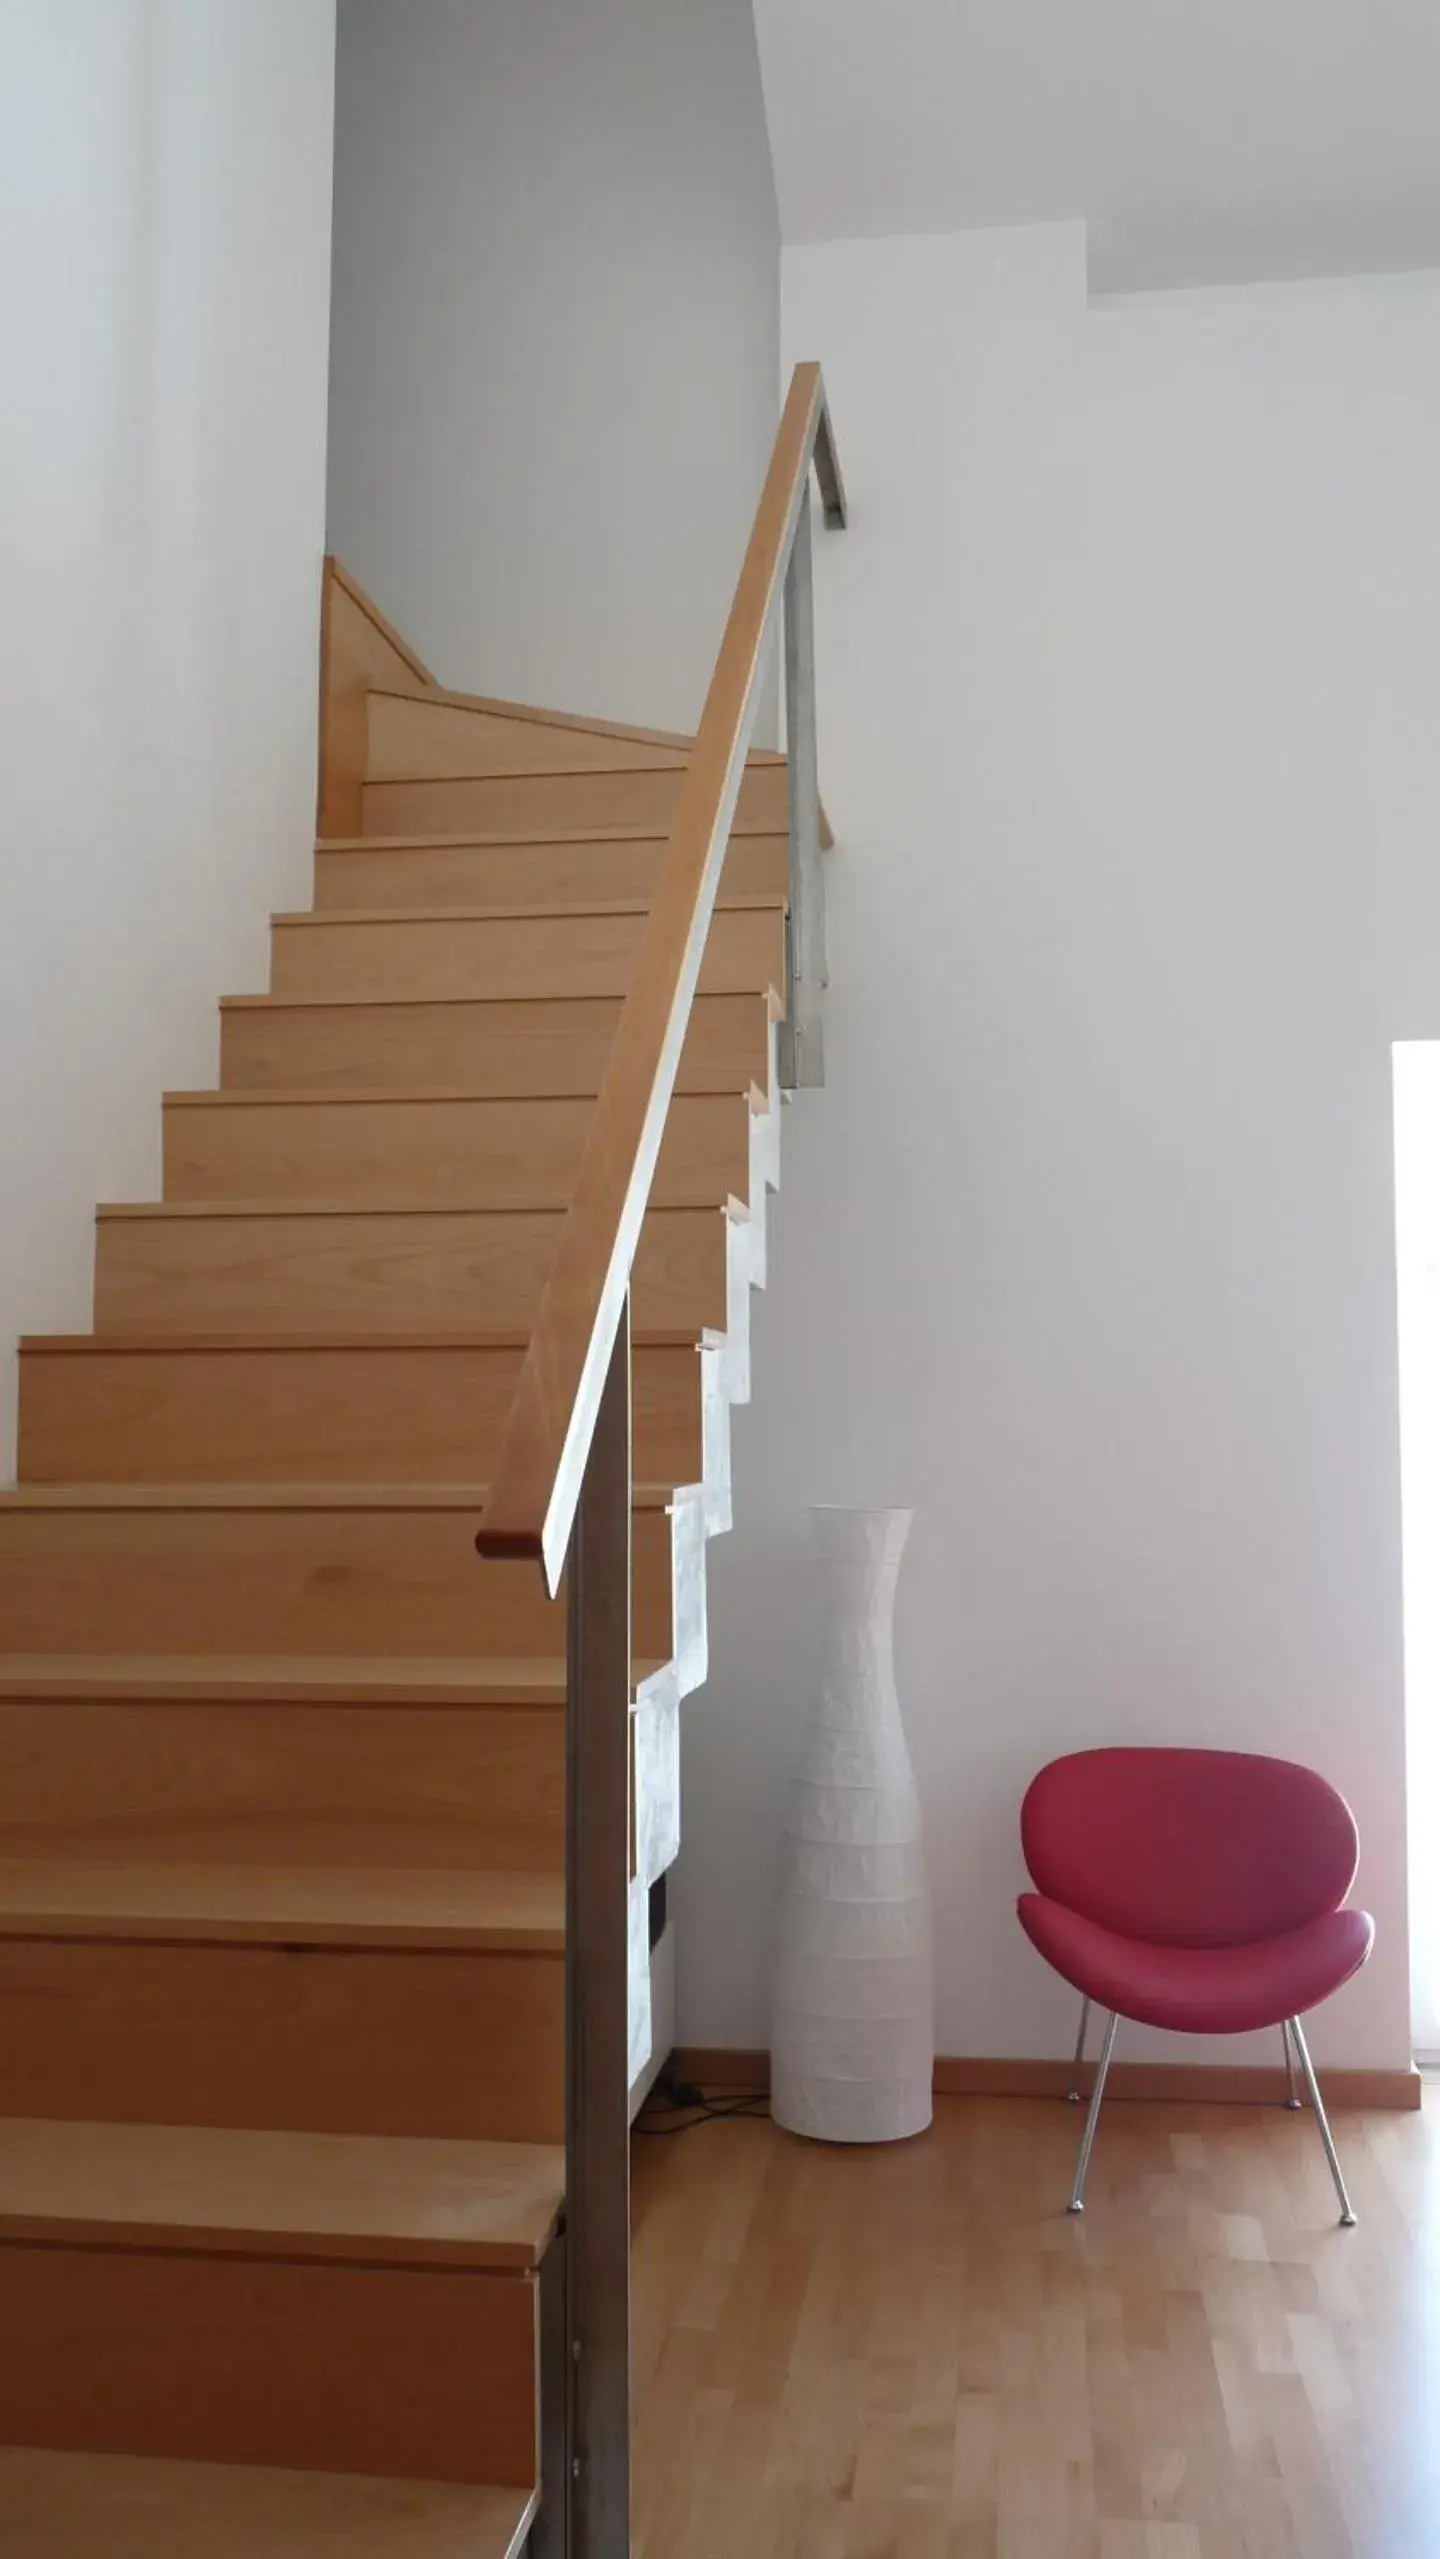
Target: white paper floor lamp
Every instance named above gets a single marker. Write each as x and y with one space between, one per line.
853 2042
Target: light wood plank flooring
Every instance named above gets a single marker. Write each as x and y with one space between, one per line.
914 2354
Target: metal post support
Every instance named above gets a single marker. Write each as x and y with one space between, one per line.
550 2535
802 1053
597 2091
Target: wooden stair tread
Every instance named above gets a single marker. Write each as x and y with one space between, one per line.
111 1345
97 2506
670 765
449 1207
293 1678
501 838
288 1002
332 2195
285 1906
321 917
288 1497
409 1096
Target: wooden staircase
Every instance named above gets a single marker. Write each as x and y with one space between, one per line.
283 1847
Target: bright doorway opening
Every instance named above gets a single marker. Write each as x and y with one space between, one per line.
1417 1240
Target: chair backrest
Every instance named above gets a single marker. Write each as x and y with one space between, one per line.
1189 1847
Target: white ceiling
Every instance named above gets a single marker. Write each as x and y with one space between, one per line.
1203 140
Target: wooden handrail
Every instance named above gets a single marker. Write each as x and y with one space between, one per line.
537 1479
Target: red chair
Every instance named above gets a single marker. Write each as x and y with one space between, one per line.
1199 1890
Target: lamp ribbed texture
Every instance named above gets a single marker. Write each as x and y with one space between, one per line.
853 2042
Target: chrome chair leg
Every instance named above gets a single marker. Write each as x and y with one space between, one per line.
1347 2217
1073 2091
1292 2098
1077 2191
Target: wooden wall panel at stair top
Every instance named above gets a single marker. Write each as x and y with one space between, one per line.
487 1153
535 871
583 723
305 1580
287 1785
194 1270
586 723
422 740
96 2506
415 2373
358 648
466 2047
94 1412
528 1048
527 715
423 957
532 801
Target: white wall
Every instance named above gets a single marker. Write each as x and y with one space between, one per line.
556 334
164 273
1128 678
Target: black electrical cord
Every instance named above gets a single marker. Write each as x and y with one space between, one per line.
682 2105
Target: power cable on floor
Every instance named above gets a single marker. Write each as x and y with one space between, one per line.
677 2105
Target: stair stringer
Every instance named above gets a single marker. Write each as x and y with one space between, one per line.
698 1513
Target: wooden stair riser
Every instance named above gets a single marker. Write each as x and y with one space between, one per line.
496 1154
371 1413
414 1271
263 1580
413 2372
284 1784
563 872
535 803
527 1049
452 2046
421 958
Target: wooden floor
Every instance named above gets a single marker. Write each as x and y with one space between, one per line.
915 2354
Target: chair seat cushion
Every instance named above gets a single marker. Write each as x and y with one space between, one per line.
1200 1990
